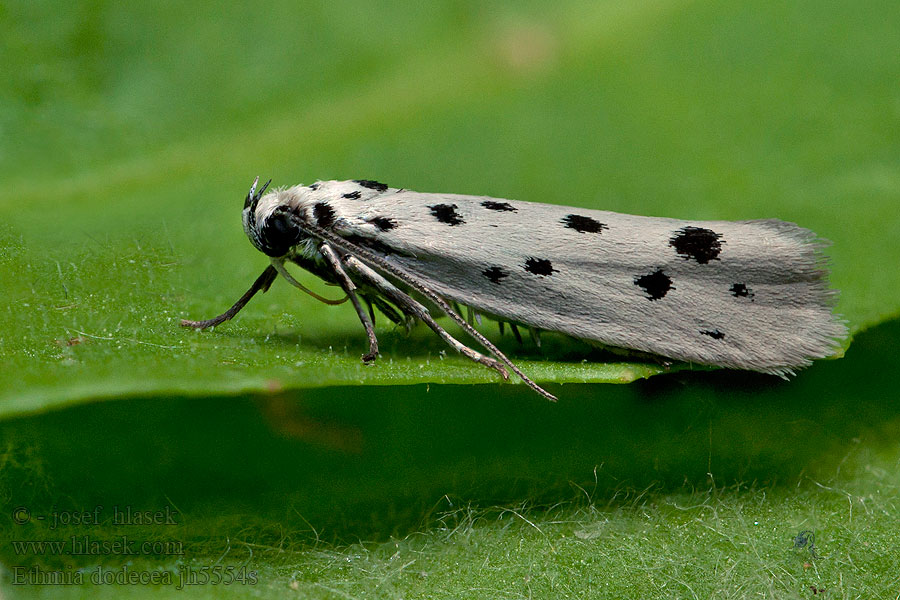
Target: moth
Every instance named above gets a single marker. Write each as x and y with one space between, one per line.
738 294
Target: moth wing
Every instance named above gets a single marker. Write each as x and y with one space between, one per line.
742 294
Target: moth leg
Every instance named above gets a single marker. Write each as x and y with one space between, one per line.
516 333
262 283
349 288
371 310
404 300
397 318
364 255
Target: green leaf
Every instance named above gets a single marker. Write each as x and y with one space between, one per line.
130 137
693 485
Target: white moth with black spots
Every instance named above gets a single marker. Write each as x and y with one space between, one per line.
739 294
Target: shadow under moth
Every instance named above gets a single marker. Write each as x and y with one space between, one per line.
738 294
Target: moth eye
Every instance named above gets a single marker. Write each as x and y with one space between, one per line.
278 234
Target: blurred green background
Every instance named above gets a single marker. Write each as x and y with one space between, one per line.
128 137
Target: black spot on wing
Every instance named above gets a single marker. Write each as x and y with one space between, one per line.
539 266
583 224
501 206
495 274
383 223
656 284
740 290
703 245
713 333
324 214
314 186
446 213
352 195
372 185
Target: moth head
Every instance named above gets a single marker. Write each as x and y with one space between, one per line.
271 228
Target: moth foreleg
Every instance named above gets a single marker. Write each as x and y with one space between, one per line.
262 283
334 261
408 303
